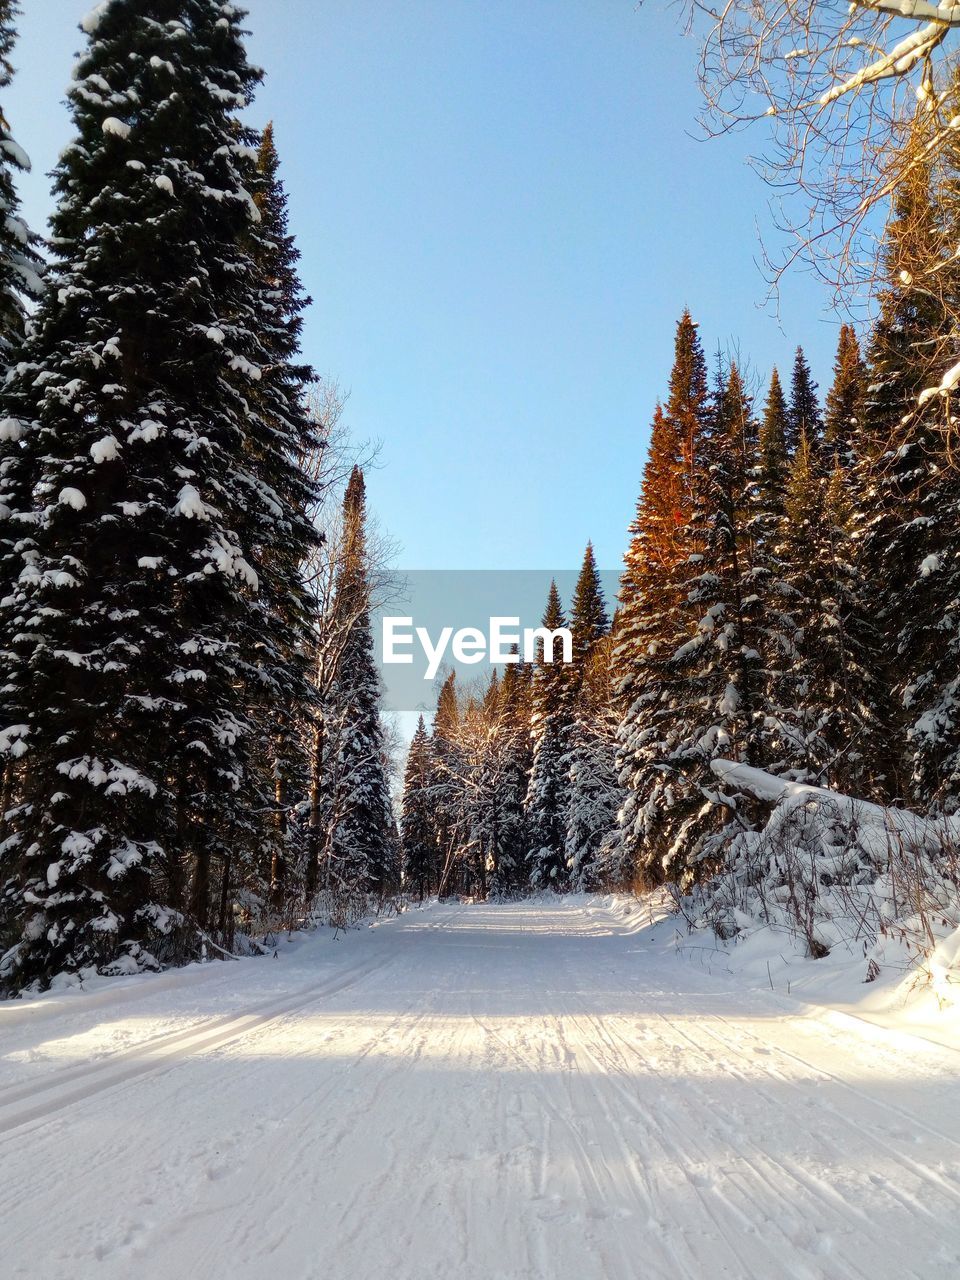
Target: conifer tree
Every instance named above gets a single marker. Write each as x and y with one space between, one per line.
359 849
590 764
547 793
774 461
652 623
846 400
822 722
145 408
588 614
447 786
804 417
904 528
281 695
417 829
509 874
916 526
594 795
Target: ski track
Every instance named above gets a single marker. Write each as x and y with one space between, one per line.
505 1092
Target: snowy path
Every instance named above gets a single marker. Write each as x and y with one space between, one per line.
496 1092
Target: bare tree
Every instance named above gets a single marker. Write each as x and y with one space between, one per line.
840 86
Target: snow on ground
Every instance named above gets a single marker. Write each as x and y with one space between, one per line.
539 1090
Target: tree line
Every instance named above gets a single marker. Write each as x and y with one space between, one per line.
790 599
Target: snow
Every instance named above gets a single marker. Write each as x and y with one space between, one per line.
216 335
72 498
521 1091
16 153
164 184
11 430
105 450
190 504
116 127
92 21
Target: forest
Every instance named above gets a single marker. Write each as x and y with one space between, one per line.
192 746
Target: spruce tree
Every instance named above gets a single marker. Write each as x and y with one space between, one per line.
774 460
447 787
846 400
417 828
547 793
588 613
359 851
595 796
652 621
509 874
590 764
906 520
146 407
804 417
822 722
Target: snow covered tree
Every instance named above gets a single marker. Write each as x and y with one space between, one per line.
804 417
845 407
155 480
651 621
906 519
547 792
359 854
588 613
822 720
774 460
417 830
590 764
280 693
595 795
509 875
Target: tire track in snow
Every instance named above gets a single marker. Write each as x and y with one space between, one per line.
161 1052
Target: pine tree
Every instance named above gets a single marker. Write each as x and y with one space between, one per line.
822 723
20 279
774 460
359 853
509 874
281 695
546 800
146 408
595 796
447 787
590 764
915 533
804 418
588 614
906 520
417 828
846 400
651 621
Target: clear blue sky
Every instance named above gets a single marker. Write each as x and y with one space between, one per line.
501 214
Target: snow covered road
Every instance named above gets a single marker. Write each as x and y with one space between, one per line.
485 1091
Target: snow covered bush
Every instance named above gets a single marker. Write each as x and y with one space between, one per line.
832 871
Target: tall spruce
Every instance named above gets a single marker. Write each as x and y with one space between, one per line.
546 801
146 409
359 850
906 520
846 400
652 620
417 827
804 417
